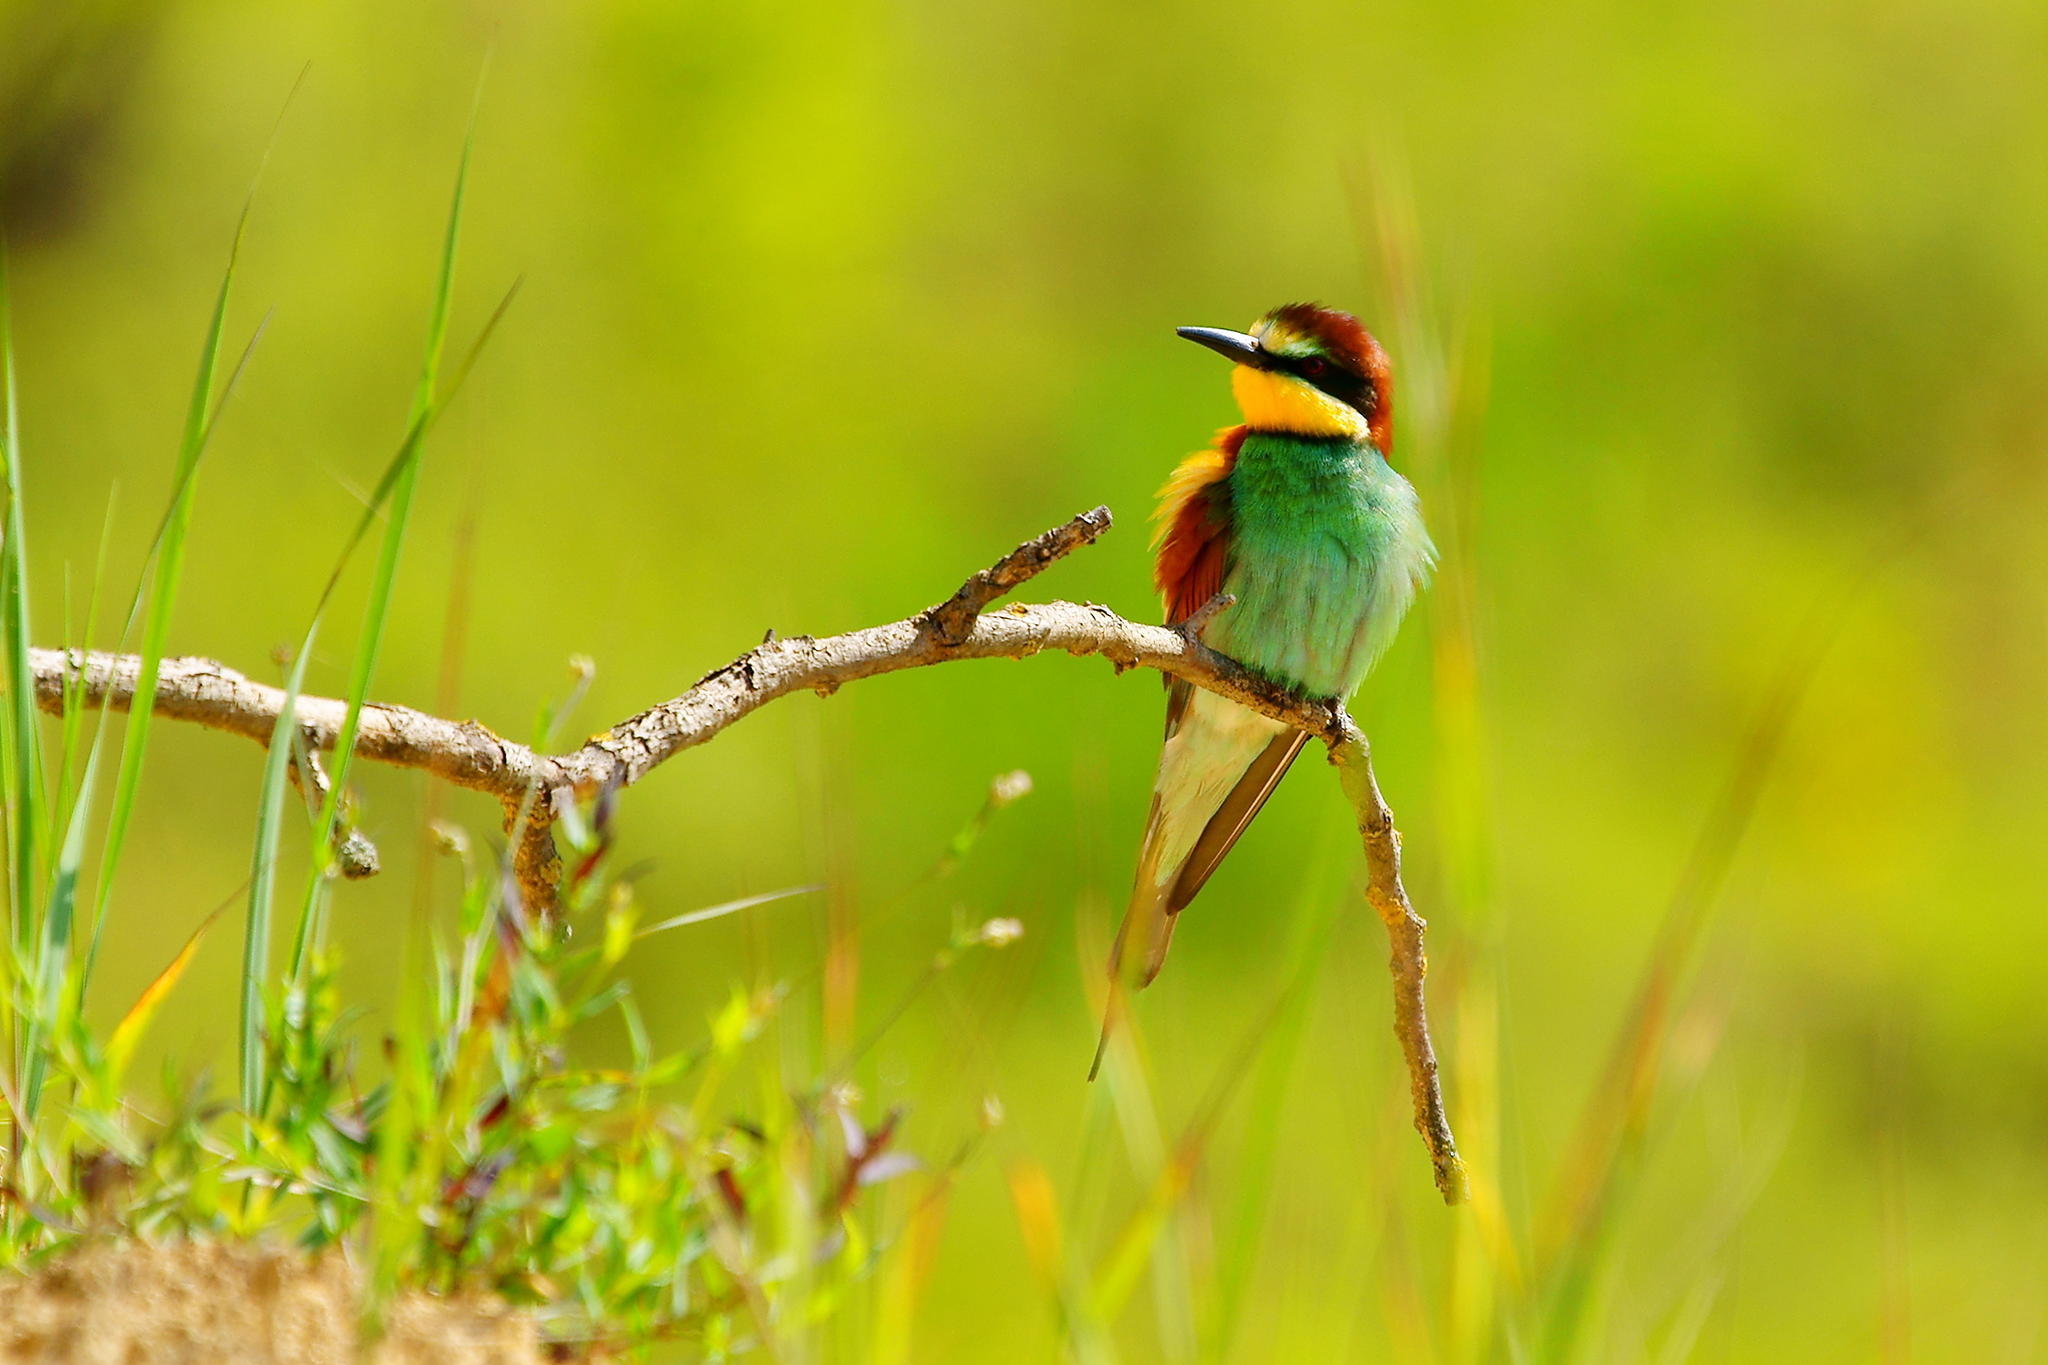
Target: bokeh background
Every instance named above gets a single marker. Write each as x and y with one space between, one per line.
1722 334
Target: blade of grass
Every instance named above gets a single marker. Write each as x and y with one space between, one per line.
728 908
19 737
908 1272
121 1042
169 532
1616 1118
1315 920
270 799
1151 1223
202 415
74 688
262 881
169 552
396 487
54 1003
384 582
24 766
1037 1211
448 683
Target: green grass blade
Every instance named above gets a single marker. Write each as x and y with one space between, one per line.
72 742
19 737
387 487
24 768
270 807
170 563
396 490
725 908
415 433
263 882
167 552
1315 919
384 584
54 1003
179 498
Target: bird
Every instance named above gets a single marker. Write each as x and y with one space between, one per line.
1298 515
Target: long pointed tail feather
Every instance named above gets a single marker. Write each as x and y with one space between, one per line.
1147 927
1219 766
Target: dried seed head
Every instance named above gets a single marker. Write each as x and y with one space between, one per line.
1001 933
1010 786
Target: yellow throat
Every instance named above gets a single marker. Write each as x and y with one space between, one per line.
1271 401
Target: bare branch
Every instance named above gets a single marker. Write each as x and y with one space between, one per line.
215 695
954 617
1409 962
530 786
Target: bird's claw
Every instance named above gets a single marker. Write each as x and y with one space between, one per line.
1198 620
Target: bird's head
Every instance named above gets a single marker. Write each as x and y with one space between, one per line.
1309 371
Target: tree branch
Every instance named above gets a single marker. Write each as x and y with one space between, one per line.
531 786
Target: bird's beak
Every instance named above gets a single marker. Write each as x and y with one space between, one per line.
1231 345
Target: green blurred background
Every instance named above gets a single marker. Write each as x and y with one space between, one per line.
1723 341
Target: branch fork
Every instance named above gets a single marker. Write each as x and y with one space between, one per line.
532 787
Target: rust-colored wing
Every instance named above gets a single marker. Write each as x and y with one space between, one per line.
1192 541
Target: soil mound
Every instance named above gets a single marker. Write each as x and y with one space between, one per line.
125 1303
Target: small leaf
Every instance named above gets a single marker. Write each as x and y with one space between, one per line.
127 1033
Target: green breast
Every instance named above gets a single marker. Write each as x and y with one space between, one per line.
1327 550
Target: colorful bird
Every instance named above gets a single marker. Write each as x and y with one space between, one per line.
1298 515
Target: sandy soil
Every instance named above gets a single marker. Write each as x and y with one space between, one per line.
127 1304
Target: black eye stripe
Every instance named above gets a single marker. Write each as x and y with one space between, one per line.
1336 380
1305 365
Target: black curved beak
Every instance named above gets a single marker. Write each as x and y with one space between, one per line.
1230 345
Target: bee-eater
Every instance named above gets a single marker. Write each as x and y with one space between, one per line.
1297 514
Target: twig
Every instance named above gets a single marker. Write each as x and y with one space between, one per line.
354 854
952 619
531 786
1409 962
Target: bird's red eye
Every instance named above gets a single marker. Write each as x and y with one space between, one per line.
1314 367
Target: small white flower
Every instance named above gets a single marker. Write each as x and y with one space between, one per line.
1001 933
1010 786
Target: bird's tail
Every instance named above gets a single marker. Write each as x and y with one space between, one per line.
1141 940
1219 765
